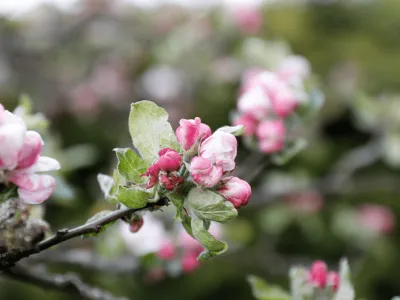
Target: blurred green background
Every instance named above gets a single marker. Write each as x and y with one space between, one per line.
83 69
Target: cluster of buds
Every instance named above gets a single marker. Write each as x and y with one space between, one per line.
268 98
208 157
319 277
21 162
165 170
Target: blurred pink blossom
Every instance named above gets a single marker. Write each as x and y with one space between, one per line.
377 218
249 19
308 201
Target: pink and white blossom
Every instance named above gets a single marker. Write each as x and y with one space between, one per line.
20 160
255 102
249 19
376 218
235 190
191 131
221 149
271 135
33 187
284 100
294 68
204 172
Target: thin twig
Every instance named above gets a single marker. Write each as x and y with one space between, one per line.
68 283
9 259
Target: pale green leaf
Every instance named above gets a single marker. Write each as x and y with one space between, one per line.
212 246
150 130
235 130
133 197
130 165
264 291
209 205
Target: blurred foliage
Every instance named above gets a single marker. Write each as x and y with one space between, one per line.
84 68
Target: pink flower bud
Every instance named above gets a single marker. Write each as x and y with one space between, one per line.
376 218
189 262
204 172
221 149
170 181
271 135
169 160
167 251
294 68
333 280
31 150
136 224
190 131
235 190
152 172
250 124
318 274
248 19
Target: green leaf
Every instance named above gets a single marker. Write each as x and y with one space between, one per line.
264 291
177 200
235 130
289 152
133 197
130 165
25 102
150 130
211 244
97 216
209 205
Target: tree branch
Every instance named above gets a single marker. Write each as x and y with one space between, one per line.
68 283
9 258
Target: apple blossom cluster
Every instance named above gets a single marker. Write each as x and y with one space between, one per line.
209 158
321 278
21 162
317 283
268 99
